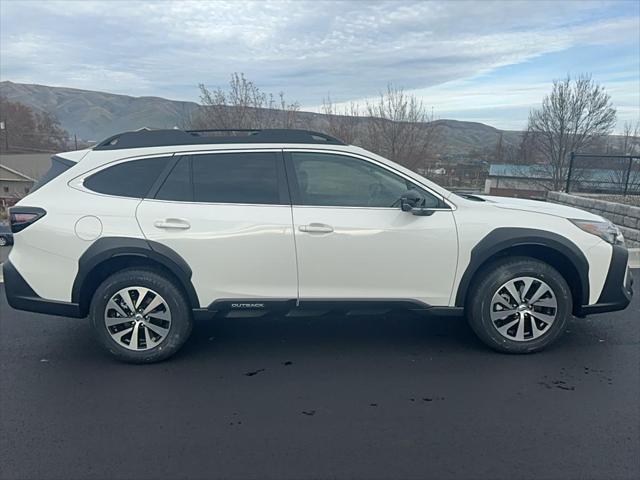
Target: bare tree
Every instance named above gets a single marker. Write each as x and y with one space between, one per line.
244 106
26 129
626 174
631 138
527 153
400 128
342 122
572 117
287 113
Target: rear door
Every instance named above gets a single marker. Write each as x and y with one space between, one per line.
228 215
355 243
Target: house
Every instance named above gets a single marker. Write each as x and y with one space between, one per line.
527 181
13 186
18 173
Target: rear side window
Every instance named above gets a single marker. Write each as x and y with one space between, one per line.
59 165
248 177
178 185
129 179
243 177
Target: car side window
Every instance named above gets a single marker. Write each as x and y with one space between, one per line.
243 177
178 186
131 179
247 177
326 179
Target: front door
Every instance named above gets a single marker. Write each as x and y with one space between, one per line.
355 243
229 216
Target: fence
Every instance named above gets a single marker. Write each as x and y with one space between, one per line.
605 174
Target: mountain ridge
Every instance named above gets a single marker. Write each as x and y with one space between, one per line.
94 115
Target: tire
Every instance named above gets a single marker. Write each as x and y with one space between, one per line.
3 241
163 324
533 324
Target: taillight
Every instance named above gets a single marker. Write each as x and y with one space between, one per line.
22 217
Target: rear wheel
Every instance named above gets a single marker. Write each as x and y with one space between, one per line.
3 241
519 305
140 316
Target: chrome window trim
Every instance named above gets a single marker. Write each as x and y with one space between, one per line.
283 205
78 182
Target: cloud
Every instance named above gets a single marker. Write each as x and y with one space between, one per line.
307 49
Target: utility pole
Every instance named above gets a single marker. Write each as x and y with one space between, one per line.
3 128
75 139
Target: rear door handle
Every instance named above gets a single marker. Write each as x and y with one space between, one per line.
316 228
178 223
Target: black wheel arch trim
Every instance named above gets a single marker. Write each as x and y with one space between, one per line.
107 248
501 239
616 293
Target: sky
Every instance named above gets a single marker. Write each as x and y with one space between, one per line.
486 61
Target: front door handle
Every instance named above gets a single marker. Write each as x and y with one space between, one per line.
178 223
316 228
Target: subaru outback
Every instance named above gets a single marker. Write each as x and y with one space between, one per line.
150 229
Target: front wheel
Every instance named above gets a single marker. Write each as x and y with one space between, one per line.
3 241
140 316
519 305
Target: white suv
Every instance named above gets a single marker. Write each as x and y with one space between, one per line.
150 229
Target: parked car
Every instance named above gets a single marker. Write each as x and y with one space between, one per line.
150 229
6 236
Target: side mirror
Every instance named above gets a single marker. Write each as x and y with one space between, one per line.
413 201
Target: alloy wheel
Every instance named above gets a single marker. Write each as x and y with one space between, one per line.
523 309
137 318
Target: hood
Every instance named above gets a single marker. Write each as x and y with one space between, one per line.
539 206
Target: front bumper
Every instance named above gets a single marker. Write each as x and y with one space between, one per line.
22 297
618 286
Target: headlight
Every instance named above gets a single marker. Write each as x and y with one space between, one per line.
605 230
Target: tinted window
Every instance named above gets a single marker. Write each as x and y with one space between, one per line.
335 180
236 178
178 185
128 179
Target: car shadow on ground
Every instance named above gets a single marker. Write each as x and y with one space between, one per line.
336 333
332 333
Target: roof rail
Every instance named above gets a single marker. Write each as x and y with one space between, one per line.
160 138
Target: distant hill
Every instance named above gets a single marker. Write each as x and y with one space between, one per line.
96 115
462 138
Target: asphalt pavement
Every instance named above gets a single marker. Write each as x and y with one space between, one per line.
4 253
390 397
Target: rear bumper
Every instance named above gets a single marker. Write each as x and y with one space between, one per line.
22 297
618 287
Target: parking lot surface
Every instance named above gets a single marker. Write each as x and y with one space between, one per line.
396 396
4 253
